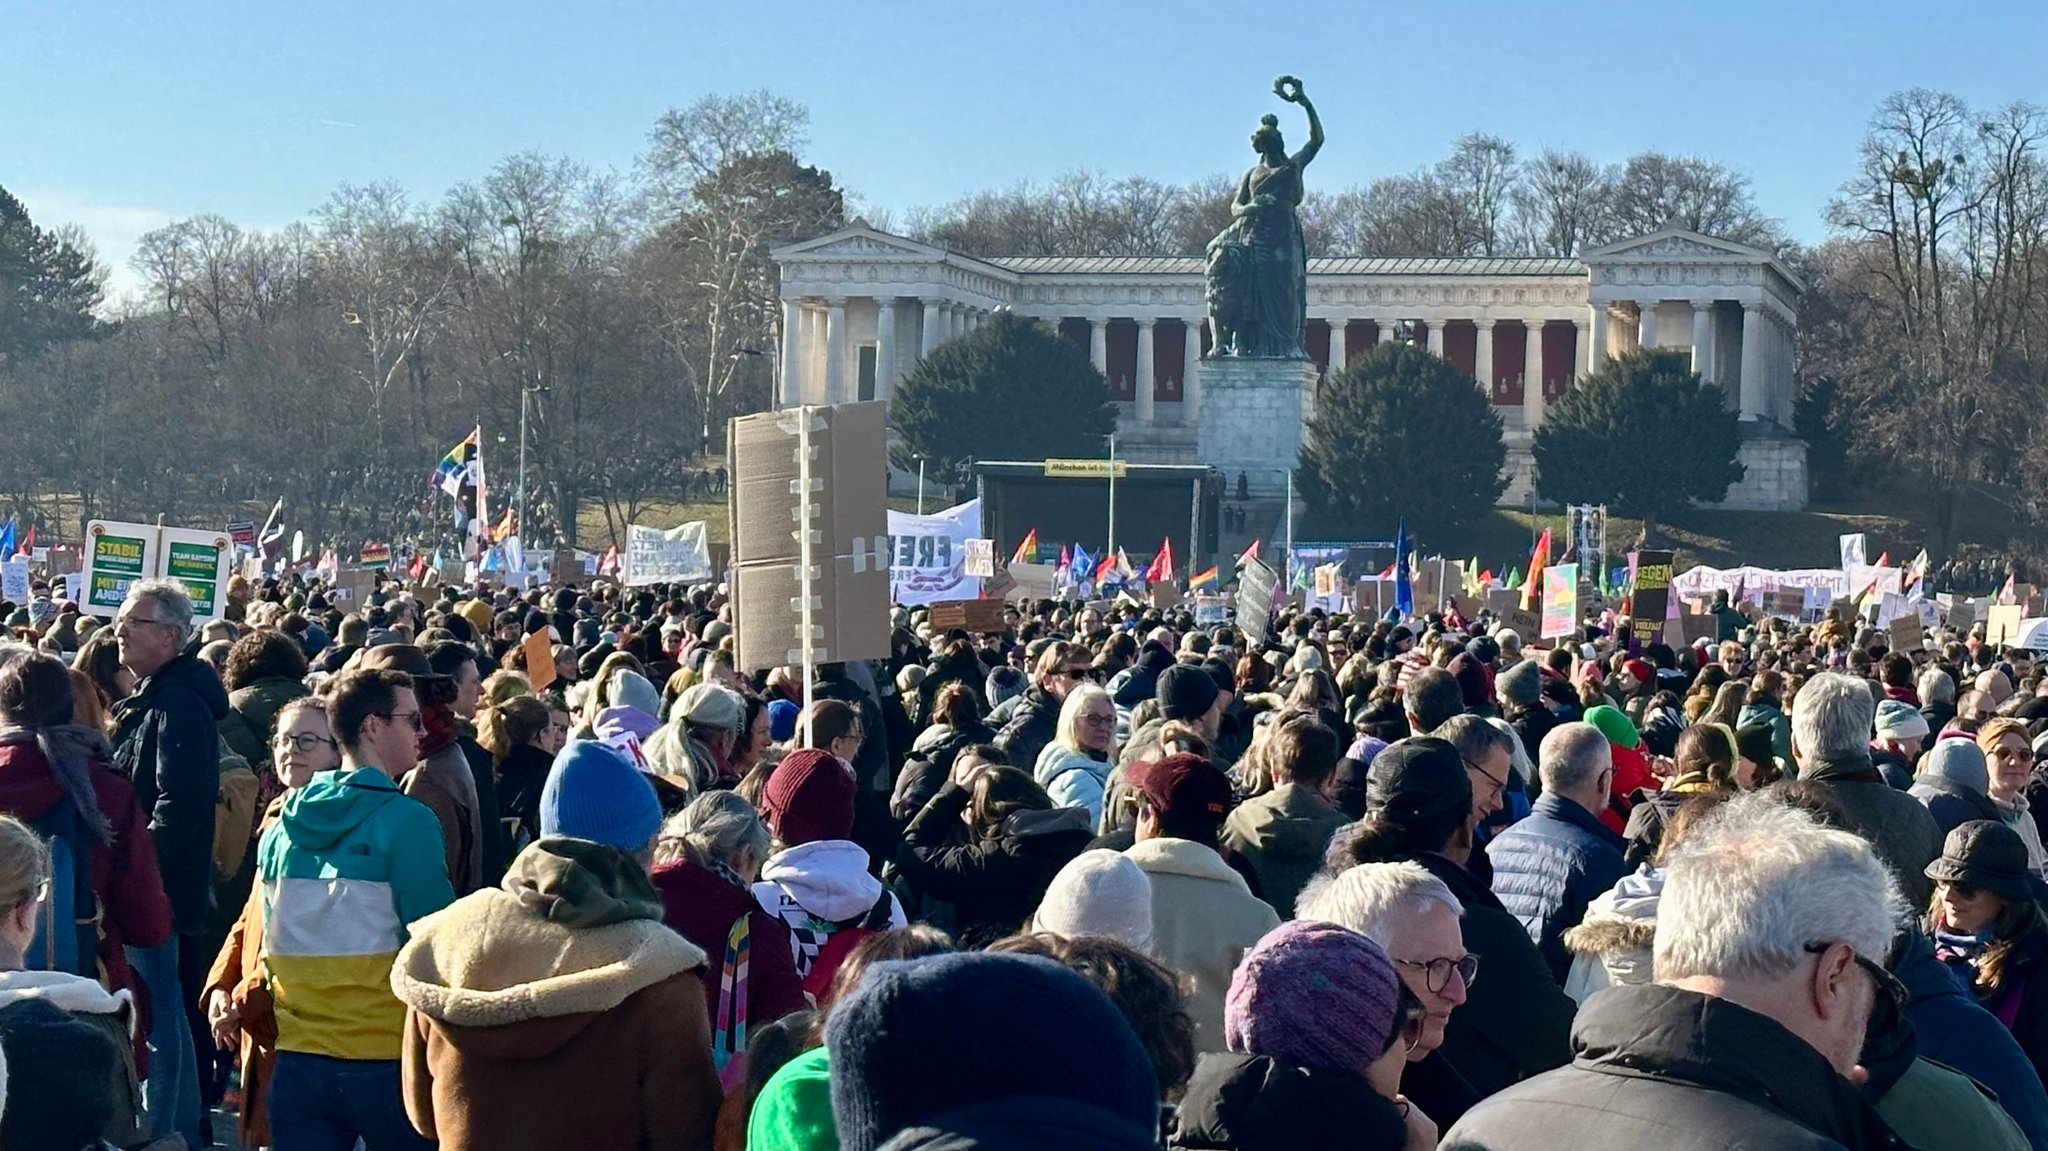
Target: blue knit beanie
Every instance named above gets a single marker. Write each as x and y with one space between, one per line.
920 1037
595 793
782 717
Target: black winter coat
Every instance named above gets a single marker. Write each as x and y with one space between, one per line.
1255 1103
1516 1020
1024 1123
167 742
1656 1067
1031 727
1548 867
993 884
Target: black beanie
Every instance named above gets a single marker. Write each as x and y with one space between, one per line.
60 1078
918 1038
1185 692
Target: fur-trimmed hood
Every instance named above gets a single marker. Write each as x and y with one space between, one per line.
518 971
1605 937
74 993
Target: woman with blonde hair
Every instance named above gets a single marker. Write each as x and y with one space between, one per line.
2009 757
522 736
1074 768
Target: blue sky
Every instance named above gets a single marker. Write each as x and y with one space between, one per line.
121 117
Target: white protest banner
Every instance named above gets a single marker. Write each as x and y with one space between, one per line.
1853 551
14 581
928 555
678 555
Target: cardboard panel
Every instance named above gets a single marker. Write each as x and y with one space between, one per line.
850 612
849 448
975 616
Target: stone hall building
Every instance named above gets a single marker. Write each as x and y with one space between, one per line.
861 306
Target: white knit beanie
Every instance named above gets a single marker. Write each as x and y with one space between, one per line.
1102 894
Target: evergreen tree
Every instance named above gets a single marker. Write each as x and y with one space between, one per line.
1402 433
48 286
1013 389
1643 435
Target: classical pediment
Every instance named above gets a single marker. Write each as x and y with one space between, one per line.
857 242
1675 244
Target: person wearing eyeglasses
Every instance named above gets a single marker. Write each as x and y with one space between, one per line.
235 998
348 864
167 742
1060 668
1771 935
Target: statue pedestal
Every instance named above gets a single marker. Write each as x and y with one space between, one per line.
1252 412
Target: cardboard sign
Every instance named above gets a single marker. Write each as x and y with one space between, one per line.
974 616
849 612
1693 627
1907 635
1962 616
1524 623
1785 602
14 581
981 558
2003 623
540 659
1164 596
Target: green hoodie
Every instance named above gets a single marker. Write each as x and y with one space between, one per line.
347 866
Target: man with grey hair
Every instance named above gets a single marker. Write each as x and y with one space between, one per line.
168 745
1770 938
1549 866
1833 720
1413 916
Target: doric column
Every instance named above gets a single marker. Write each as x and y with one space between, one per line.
1482 358
1191 372
792 324
1098 343
1703 339
1646 324
835 350
1143 385
1435 342
1337 356
1583 345
1532 374
934 325
885 349
1387 331
1595 354
1755 389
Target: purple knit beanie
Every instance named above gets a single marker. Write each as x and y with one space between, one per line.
1312 994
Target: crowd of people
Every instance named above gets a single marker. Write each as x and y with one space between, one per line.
492 868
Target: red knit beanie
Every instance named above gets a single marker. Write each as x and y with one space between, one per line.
809 797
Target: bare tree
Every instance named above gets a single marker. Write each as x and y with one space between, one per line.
1562 204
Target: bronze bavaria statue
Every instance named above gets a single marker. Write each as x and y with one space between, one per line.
1257 271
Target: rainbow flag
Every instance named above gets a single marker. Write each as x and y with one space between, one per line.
460 467
1204 578
1027 551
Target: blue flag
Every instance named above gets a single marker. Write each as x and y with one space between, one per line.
1404 591
1084 564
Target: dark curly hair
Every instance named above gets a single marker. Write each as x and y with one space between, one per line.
1148 995
263 655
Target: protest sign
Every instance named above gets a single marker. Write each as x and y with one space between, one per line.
1211 610
1785 602
1033 581
243 532
117 554
202 561
1560 601
1651 599
981 558
1255 584
1853 551
1524 623
1163 595
928 554
1907 635
540 659
974 616
1962 616
74 586
2003 623
675 555
14 581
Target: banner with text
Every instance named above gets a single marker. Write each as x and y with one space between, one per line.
928 554
677 555
117 554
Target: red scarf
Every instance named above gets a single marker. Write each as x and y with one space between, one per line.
441 729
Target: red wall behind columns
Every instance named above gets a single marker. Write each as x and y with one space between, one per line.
1510 345
1560 358
1360 339
1461 345
1122 354
1315 340
1169 357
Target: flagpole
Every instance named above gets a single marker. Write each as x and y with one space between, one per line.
1111 549
1288 567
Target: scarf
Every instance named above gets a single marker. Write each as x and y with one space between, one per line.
441 728
71 750
1952 945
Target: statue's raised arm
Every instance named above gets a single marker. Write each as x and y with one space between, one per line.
1289 89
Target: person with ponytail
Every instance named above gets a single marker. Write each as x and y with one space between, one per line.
1516 1020
54 771
522 735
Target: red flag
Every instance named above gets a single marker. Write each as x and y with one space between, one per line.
1250 553
1532 586
1161 569
1884 559
28 543
2005 594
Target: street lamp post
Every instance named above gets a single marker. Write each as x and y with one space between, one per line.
920 483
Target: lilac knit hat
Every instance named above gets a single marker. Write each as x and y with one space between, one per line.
1312 994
